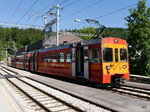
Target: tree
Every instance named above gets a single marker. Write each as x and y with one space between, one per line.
88 30
139 38
21 37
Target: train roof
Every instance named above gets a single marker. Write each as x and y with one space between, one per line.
83 43
56 48
93 41
79 44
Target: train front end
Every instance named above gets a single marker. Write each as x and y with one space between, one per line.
115 60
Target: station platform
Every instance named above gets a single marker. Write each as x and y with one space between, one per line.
7 103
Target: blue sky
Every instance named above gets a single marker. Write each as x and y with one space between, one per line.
11 11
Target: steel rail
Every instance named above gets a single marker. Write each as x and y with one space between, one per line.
71 94
132 92
139 91
135 87
30 97
64 102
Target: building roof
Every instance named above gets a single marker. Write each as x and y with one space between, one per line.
64 38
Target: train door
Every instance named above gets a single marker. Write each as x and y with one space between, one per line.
124 64
116 63
80 62
15 60
73 61
30 63
120 59
86 63
34 64
25 62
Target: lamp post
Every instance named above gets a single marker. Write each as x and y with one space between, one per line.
76 21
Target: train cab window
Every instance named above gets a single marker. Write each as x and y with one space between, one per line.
94 55
116 54
68 57
108 55
123 55
54 58
61 57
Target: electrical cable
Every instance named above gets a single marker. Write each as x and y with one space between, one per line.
115 11
72 3
81 9
44 9
47 6
15 10
63 2
107 14
28 11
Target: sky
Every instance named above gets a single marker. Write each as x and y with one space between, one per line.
110 13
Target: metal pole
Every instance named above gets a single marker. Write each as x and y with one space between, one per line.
57 26
50 28
45 27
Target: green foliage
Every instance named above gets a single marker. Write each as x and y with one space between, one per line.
85 37
88 30
115 32
139 39
108 32
21 37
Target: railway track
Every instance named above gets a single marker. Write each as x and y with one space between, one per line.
133 91
122 89
46 99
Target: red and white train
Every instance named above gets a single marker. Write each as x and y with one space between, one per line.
102 61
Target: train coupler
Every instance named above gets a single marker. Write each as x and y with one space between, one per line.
120 80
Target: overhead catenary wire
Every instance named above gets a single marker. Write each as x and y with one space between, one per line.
47 6
106 14
28 11
67 5
90 5
115 11
64 1
72 3
15 10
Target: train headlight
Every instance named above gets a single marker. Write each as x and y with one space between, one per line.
108 67
116 40
124 66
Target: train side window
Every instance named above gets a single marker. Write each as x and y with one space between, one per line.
48 59
108 55
54 57
43 59
68 57
94 55
123 55
61 57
